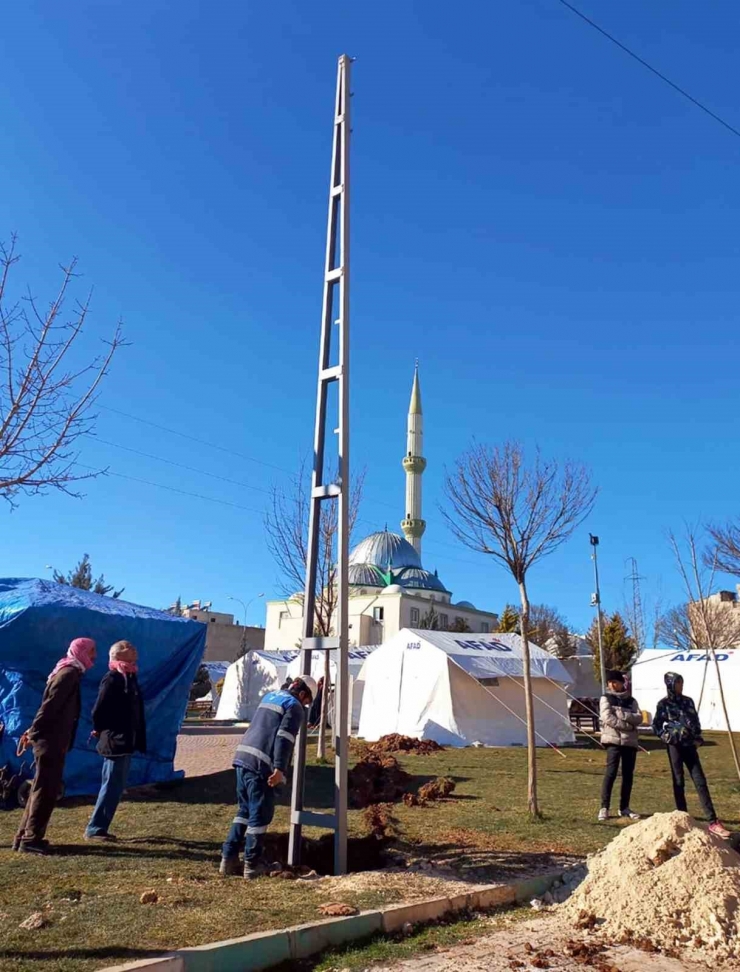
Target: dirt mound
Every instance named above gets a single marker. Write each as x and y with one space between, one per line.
396 743
666 881
434 790
376 779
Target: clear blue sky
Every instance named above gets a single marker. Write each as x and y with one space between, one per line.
548 227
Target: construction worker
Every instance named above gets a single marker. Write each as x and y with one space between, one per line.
261 762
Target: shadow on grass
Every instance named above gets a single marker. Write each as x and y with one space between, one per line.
105 953
195 850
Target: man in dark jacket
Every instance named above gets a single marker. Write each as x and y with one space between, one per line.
120 728
262 760
677 723
52 735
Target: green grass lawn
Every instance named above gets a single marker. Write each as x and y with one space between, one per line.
170 841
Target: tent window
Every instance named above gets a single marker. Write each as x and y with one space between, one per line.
414 615
492 682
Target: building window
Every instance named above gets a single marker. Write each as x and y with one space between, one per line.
284 615
378 613
444 622
484 627
213 620
414 617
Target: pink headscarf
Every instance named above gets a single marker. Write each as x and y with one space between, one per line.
123 658
80 655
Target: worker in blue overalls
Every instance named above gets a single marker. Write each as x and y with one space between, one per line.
261 762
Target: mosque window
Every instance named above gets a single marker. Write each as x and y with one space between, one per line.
414 615
444 622
378 613
283 617
484 627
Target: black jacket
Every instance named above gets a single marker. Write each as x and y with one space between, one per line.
676 720
118 716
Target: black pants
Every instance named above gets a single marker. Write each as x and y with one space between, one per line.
627 756
687 756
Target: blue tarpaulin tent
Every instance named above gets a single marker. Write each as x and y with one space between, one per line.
39 618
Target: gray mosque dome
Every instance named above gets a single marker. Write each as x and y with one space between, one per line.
365 575
385 550
393 589
466 604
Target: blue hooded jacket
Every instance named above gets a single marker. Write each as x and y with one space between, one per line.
268 742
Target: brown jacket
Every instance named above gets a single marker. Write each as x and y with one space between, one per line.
55 724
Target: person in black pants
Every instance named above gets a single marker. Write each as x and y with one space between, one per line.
677 723
620 716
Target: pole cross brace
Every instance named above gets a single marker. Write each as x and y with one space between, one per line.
320 644
310 819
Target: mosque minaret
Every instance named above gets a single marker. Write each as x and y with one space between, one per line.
414 464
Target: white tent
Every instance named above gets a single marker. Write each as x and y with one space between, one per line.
248 679
699 680
356 666
458 689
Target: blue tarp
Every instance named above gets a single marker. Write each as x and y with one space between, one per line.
39 618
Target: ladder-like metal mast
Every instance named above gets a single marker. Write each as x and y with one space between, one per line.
333 367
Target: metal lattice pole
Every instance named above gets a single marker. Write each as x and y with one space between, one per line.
335 313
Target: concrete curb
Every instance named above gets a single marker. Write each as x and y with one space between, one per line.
264 950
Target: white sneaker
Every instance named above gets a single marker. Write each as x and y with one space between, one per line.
603 814
630 814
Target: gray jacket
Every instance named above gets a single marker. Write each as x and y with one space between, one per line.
620 716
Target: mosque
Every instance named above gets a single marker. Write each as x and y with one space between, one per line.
389 587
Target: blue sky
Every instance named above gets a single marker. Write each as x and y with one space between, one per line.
550 229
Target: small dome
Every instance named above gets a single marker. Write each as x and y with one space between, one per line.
393 589
466 604
365 575
416 578
385 550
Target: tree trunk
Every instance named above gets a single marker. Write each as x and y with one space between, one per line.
532 805
727 717
323 717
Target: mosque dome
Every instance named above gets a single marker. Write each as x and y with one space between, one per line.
385 550
366 575
393 589
416 578
466 604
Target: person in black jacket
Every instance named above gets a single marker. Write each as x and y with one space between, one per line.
120 728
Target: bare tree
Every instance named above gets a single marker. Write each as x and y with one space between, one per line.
724 553
518 513
706 622
46 396
549 629
286 525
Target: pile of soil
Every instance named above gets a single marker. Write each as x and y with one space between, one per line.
665 881
396 743
434 790
376 779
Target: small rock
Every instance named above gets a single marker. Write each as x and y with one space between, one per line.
33 922
537 904
149 897
338 910
407 928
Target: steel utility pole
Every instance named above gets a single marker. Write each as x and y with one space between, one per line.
596 601
333 367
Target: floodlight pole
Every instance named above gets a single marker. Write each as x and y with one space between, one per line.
596 601
335 312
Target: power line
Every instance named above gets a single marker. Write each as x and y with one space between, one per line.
655 71
171 489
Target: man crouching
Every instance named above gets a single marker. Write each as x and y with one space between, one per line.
261 762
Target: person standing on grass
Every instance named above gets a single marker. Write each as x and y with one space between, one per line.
52 735
120 728
620 716
677 723
262 760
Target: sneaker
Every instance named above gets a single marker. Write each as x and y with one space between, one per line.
719 830
603 814
230 866
251 871
34 847
630 814
110 838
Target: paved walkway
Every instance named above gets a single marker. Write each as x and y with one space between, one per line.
202 750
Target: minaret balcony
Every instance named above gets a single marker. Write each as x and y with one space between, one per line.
414 464
413 528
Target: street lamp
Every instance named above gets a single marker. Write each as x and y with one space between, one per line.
247 605
596 602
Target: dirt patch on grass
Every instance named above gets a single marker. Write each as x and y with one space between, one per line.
434 790
396 743
410 884
376 779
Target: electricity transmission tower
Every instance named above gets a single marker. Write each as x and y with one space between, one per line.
637 617
333 369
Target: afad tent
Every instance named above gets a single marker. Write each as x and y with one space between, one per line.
39 618
460 689
356 665
700 683
248 679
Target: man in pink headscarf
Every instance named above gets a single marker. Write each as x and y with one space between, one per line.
52 735
120 727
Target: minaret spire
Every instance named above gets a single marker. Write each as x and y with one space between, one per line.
414 465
